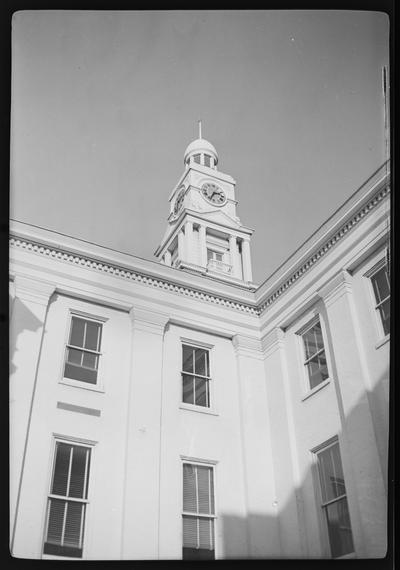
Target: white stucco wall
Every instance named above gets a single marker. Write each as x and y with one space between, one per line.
263 422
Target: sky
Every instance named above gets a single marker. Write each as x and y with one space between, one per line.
105 103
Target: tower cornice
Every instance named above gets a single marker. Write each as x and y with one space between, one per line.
217 174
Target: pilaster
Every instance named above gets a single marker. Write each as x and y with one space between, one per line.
289 503
181 245
233 250
364 479
247 273
28 318
143 435
189 240
203 245
262 523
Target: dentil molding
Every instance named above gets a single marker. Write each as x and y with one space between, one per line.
64 255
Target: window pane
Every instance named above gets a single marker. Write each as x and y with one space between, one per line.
201 395
77 478
339 528
90 360
73 524
92 341
56 518
331 473
77 331
82 374
380 283
210 254
337 481
196 158
207 160
317 370
74 356
189 488
206 533
204 475
187 358
327 474
61 467
187 389
200 366
384 311
313 340
190 532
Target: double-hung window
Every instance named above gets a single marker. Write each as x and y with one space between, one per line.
195 375
314 355
83 350
198 516
334 499
381 286
66 506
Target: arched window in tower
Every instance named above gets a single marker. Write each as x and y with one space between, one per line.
207 160
196 158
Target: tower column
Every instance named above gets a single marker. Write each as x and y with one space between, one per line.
234 255
203 246
189 241
181 245
247 275
167 258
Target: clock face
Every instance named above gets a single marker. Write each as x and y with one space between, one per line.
179 201
213 193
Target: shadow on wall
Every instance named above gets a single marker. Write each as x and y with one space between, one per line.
371 530
21 320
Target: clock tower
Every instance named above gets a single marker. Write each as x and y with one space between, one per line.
204 233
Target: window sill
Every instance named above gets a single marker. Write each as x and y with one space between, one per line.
56 557
200 409
383 341
316 389
346 556
82 385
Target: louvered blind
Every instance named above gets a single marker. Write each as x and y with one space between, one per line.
67 502
334 500
198 498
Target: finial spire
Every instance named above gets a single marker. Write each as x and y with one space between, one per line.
199 128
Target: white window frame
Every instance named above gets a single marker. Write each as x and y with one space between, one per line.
99 386
310 323
321 504
77 442
378 319
201 463
211 391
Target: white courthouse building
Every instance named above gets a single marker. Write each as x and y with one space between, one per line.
174 409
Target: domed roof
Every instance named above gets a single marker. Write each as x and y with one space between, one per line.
200 146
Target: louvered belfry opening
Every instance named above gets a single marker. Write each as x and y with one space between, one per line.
198 516
67 501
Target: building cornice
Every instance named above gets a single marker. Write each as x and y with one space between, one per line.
63 253
321 250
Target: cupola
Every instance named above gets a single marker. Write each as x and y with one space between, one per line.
201 152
